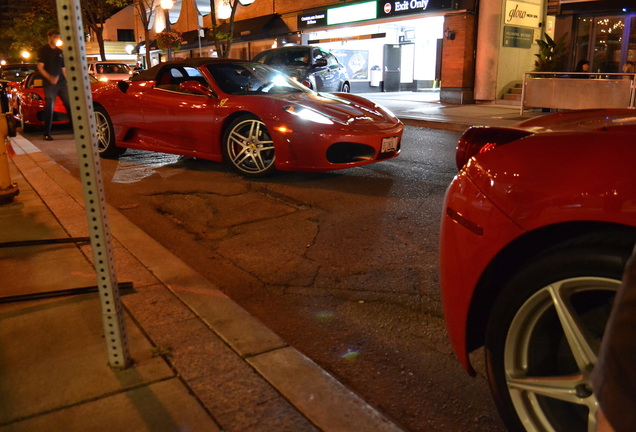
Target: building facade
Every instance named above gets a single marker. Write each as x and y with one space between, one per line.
471 51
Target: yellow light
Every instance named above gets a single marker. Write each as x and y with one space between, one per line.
58 42
225 10
25 55
283 129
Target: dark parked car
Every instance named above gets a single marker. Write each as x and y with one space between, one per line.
536 230
313 66
9 75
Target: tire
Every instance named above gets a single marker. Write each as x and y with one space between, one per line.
106 135
248 147
538 380
346 88
25 127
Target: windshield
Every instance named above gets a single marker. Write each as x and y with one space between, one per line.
285 57
253 78
16 73
110 68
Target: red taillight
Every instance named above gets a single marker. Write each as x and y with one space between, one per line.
480 139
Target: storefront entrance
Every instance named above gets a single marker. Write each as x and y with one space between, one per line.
607 42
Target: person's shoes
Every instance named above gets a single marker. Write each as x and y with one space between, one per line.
48 138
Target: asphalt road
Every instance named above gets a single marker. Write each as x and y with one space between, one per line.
342 265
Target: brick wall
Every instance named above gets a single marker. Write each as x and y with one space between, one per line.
458 59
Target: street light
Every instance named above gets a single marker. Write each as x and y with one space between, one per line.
25 55
166 5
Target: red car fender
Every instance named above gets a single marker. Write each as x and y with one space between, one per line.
503 194
582 176
461 265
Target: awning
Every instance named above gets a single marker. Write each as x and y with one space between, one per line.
137 48
264 27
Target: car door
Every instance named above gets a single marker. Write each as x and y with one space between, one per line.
326 76
175 119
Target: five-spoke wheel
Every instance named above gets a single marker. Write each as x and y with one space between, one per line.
543 337
106 135
248 146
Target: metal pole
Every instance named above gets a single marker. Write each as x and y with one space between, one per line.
167 15
82 115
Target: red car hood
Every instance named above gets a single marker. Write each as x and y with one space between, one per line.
581 120
342 108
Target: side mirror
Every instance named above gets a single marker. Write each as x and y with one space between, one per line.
321 62
195 87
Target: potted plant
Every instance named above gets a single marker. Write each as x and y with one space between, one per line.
552 54
169 39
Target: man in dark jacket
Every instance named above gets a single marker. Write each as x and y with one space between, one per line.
51 66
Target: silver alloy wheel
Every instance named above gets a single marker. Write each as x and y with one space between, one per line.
250 148
556 313
103 131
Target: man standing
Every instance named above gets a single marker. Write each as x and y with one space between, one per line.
51 66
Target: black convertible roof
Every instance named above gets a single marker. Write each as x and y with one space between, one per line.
151 74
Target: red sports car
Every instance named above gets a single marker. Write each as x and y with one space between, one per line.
26 101
536 229
243 113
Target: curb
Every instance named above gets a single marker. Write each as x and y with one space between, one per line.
313 392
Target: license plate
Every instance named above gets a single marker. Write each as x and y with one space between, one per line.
389 144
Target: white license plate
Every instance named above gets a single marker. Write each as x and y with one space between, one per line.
389 144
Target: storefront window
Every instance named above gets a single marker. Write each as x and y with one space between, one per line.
582 42
608 34
601 40
631 47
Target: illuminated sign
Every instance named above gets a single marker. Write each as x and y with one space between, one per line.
352 13
410 7
522 14
368 11
313 19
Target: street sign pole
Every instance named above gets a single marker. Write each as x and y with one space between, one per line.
71 30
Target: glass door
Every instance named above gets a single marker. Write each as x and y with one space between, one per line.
608 36
607 42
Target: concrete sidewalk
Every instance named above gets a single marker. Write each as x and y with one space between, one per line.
424 109
201 362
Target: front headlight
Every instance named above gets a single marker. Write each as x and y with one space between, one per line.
308 114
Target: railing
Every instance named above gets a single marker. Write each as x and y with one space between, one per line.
566 90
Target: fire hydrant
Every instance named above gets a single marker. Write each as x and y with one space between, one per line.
8 190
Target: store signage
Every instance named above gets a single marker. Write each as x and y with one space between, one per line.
517 37
316 18
352 13
523 14
368 10
410 7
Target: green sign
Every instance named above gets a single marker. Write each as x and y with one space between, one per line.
517 37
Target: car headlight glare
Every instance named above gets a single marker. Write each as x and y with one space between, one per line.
308 114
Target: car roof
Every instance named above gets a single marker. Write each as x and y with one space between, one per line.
107 62
151 74
15 65
292 47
